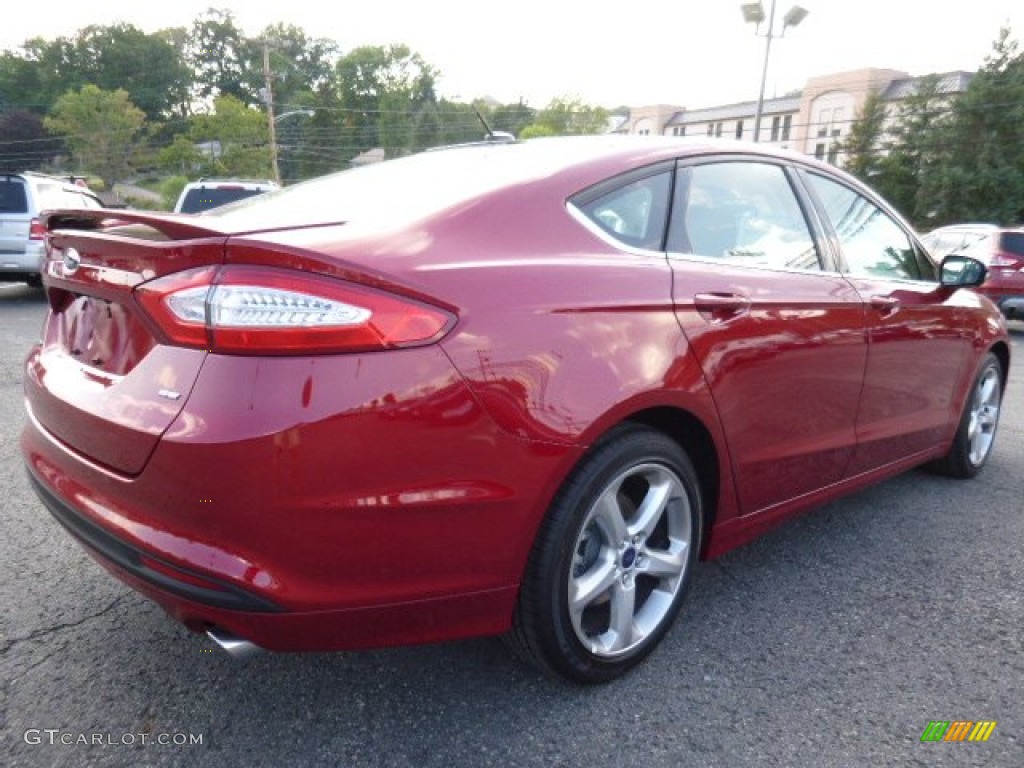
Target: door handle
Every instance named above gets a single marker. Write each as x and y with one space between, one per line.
721 307
885 304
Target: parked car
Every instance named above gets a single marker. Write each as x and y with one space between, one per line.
23 197
505 389
205 194
946 240
1001 249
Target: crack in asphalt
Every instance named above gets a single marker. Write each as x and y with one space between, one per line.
36 634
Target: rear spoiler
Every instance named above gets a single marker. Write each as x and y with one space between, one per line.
171 226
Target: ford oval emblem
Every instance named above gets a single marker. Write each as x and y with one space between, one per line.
72 261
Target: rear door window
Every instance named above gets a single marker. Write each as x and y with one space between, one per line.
13 198
744 212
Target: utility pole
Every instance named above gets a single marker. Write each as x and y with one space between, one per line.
269 98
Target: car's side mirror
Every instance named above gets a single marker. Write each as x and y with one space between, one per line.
962 272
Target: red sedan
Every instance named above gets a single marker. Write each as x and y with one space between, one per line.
502 388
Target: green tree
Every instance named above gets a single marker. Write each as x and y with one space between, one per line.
34 76
301 66
914 149
21 84
861 150
537 131
99 128
240 132
220 57
120 56
567 117
180 156
452 122
381 90
170 190
983 177
24 142
512 118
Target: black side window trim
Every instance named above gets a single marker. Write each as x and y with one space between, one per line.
921 253
602 188
816 227
580 200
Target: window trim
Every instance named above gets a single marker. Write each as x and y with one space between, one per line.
828 264
842 264
575 203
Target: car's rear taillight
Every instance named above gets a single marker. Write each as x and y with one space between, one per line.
269 311
36 230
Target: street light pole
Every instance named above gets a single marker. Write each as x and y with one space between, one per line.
764 73
753 13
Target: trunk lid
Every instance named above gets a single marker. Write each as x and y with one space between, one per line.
101 380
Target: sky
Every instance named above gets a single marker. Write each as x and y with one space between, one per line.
680 52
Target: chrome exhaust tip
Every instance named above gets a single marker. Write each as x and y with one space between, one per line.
235 646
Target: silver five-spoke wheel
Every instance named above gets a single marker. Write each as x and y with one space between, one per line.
984 415
979 418
629 559
612 559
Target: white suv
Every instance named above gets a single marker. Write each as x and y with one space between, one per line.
23 197
205 194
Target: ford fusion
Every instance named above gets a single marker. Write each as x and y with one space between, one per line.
506 388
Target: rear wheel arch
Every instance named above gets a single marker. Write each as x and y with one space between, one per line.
695 439
1002 353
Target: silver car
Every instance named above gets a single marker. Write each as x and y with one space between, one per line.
23 196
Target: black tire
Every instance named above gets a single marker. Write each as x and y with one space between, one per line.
976 432
623 572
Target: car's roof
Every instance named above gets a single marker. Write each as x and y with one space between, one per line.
430 182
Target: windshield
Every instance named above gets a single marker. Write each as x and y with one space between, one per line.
205 198
1013 242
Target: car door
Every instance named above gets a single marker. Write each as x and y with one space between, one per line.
915 346
778 332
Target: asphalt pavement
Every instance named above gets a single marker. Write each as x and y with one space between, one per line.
833 641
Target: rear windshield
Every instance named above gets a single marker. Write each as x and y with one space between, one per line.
12 196
1013 242
411 187
203 199
52 196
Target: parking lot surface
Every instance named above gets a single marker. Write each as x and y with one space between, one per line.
833 641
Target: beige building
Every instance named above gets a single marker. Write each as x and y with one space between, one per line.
814 121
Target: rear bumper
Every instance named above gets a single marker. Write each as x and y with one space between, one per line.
25 262
367 509
144 567
1013 307
203 603
221 600
1006 289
